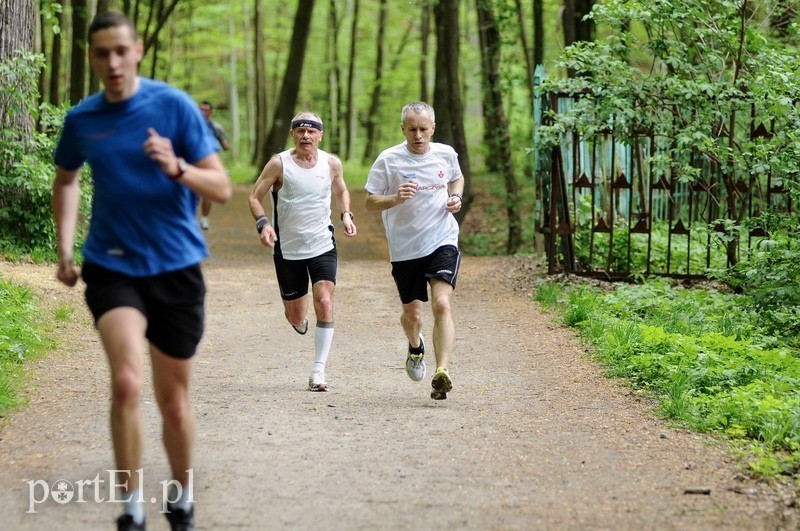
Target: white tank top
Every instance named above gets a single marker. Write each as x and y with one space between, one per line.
302 209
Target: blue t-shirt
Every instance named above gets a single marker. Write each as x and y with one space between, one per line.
142 223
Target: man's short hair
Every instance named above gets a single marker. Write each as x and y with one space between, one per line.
419 107
110 19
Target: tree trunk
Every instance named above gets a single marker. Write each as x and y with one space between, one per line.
291 81
77 75
333 134
351 80
425 32
233 89
43 29
371 125
495 124
526 51
17 29
260 144
441 92
94 81
538 33
446 14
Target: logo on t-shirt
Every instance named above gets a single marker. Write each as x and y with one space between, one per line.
441 174
409 175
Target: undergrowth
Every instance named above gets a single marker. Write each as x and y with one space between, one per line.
22 338
703 354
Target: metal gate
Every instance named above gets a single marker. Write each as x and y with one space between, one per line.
606 212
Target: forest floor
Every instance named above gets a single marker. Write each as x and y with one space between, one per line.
533 436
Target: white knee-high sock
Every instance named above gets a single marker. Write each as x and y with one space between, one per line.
134 505
323 337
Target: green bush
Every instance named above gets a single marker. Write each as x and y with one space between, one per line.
26 222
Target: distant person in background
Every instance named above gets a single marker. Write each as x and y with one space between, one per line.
150 159
417 187
302 180
219 133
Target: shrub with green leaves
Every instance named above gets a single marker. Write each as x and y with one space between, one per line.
26 222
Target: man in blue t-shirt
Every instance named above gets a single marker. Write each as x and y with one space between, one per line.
151 159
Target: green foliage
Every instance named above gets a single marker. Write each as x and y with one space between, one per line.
770 275
26 223
548 294
355 174
705 356
21 339
697 78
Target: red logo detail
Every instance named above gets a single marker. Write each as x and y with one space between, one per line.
441 174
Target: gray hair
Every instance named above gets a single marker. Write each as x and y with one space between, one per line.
307 114
418 107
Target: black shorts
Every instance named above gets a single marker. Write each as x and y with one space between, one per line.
173 304
412 276
293 275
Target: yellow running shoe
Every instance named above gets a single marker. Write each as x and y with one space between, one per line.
441 384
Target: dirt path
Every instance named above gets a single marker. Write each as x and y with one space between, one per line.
532 436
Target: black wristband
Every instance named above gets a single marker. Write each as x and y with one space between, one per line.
352 217
261 222
461 199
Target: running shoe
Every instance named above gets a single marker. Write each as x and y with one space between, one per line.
126 523
415 364
316 382
441 384
180 519
302 328
204 224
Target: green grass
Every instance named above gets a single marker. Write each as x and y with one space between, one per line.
22 338
704 356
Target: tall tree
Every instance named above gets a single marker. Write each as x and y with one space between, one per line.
17 29
291 81
94 81
77 71
425 33
158 15
333 135
526 51
260 143
351 81
496 134
447 64
538 33
441 85
371 122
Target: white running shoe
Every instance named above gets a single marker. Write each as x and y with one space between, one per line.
316 382
415 364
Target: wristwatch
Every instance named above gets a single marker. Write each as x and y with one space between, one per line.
182 167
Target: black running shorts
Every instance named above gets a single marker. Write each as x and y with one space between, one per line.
412 276
173 304
293 275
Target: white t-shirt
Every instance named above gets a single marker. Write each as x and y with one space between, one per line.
302 208
422 224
